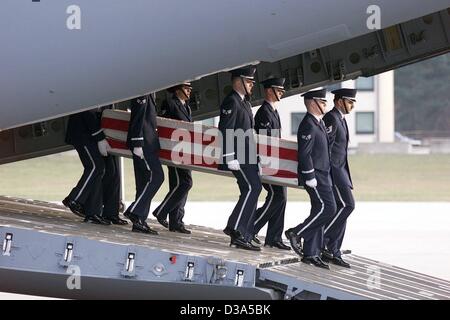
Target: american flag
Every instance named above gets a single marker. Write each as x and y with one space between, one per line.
199 148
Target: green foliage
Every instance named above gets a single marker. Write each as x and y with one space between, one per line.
422 98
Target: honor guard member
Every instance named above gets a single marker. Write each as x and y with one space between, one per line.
337 129
111 184
180 180
267 122
86 136
314 175
239 156
143 142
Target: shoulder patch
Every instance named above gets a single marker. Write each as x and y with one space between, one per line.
227 111
306 137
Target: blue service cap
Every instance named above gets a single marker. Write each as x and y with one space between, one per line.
345 93
316 94
274 83
244 72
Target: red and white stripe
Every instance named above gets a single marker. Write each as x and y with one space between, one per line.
279 165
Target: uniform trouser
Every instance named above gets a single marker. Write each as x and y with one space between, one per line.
272 212
335 229
243 216
180 182
109 203
88 191
323 207
111 187
149 176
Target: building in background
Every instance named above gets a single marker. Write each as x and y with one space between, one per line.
372 121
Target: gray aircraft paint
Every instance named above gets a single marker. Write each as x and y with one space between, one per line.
128 48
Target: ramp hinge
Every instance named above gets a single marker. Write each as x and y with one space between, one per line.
129 266
189 273
68 253
7 243
239 281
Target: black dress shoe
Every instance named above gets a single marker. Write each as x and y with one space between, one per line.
142 227
95 219
163 222
116 220
278 245
240 243
326 255
228 231
315 261
256 247
74 206
133 218
340 262
256 240
296 242
180 229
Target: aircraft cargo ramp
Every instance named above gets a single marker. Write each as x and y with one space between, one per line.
45 248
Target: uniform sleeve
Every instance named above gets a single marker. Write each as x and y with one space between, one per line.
227 121
136 126
165 110
263 124
330 124
305 140
93 124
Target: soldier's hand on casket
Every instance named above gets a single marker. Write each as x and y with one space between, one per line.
311 183
103 147
233 165
139 152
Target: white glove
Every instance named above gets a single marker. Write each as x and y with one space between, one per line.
311 183
139 152
233 165
103 147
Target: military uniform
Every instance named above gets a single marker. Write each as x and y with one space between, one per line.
267 122
338 136
110 184
180 180
236 117
149 176
314 163
84 132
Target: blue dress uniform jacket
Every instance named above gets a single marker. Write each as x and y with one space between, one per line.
267 121
235 114
142 129
334 230
84 128
314 162
313 152
149 176
174 109
180 180
338 136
